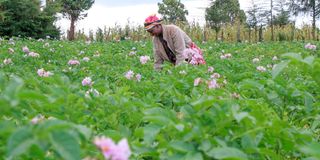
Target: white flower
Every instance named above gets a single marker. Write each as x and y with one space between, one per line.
274 58
261 69
215 76
37 119
33 54
197 81
86 59
183 72
92 91
11 51
7 61
256 60
132 53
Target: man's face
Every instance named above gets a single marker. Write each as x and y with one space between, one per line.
155 31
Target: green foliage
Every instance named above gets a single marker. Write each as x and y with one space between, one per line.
252 115
24 18
74 11
172 11
221 12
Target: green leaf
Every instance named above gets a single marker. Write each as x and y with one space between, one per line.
249 84
150 131
84 131
295 56
182 146
308 101
66 145
194 156
311 149
203 102
20 141
278 68
309 60
227 153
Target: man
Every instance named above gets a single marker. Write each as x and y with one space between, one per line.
171 44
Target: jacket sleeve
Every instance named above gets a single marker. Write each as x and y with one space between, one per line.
179 45
158 61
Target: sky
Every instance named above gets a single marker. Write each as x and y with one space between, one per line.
121 12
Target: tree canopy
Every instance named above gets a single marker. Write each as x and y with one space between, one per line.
172 10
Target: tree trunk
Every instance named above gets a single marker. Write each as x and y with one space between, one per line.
271 23
249 35
260 34
238 32
217 32
314 21
72 28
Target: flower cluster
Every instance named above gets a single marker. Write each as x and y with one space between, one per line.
87 81
310 46
256 60
144 59
111 150
7 61
42 73
86 59
33 54
73 62
37 119
130 74
261 69
226 56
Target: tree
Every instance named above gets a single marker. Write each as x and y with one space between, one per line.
73 10
224 11
307 6
172 11
26 19
283 15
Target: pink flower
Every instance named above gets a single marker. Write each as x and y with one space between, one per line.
215 76
138 77
310 46
42 73
213 84
25 49
261 69
144 59
112 151
73 62
197 81
129 74
210 69
87 81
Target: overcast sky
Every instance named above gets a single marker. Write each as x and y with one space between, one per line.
111 12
